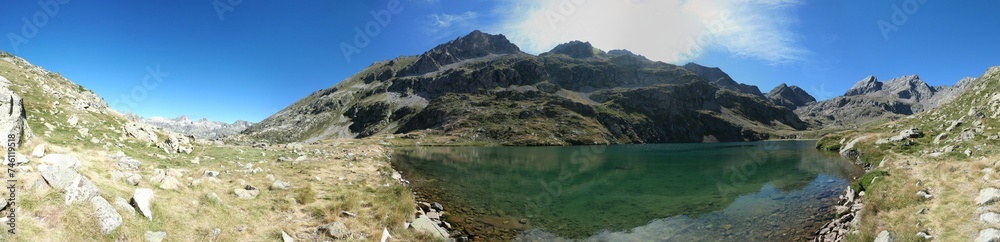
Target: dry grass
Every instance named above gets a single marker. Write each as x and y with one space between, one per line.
892 203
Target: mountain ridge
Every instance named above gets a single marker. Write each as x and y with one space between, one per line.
594 89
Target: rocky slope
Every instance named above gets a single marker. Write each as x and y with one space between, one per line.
716 76
84 172
201 129
791 97
935 169
872 101
482 88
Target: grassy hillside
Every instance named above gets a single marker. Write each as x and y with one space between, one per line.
326 178
952 158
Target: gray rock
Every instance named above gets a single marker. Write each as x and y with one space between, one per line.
61 160
209 173
990 218
335 230
213 197
437 206
39 151
286 238
425 224
215 232
128 164
81 190
348 214
73 120
155 236
20 159
107 217
58 177
139 132
884 236
280 185
133 179
988 235
122 204
13 119
987 196
169 183
142 198
248 192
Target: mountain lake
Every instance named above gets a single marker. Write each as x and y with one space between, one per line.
753 191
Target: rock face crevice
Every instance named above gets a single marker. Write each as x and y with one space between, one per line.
13 119
483 88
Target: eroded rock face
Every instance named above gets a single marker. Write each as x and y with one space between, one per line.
13 119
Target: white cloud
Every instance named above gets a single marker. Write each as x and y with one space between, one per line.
447 20
666 30
441 25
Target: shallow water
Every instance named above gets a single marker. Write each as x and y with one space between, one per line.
776 190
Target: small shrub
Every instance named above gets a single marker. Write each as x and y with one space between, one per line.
305 195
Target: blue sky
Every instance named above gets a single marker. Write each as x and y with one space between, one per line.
257 57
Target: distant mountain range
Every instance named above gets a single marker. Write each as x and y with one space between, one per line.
202 129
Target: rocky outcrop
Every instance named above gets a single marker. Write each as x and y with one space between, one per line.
847 218
491 92
791 97
140 132
719 78
13 119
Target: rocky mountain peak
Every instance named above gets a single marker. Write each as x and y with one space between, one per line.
719 78
867 85
474 45
790 97
182 119
577 49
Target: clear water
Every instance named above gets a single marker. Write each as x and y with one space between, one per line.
759 191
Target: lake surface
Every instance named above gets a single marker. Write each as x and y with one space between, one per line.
757 191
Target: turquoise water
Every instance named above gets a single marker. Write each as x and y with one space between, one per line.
776 190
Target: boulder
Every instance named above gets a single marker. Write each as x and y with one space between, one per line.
13 119
884 236
211 173
107 217
139 132
81 190
127 164
122 204
990 218
133 179
248 192
61 160
425 224
280 185
286 238
155 236
170 183
39 151
335 230
987 196
988 235
58 177
73 120
142 198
